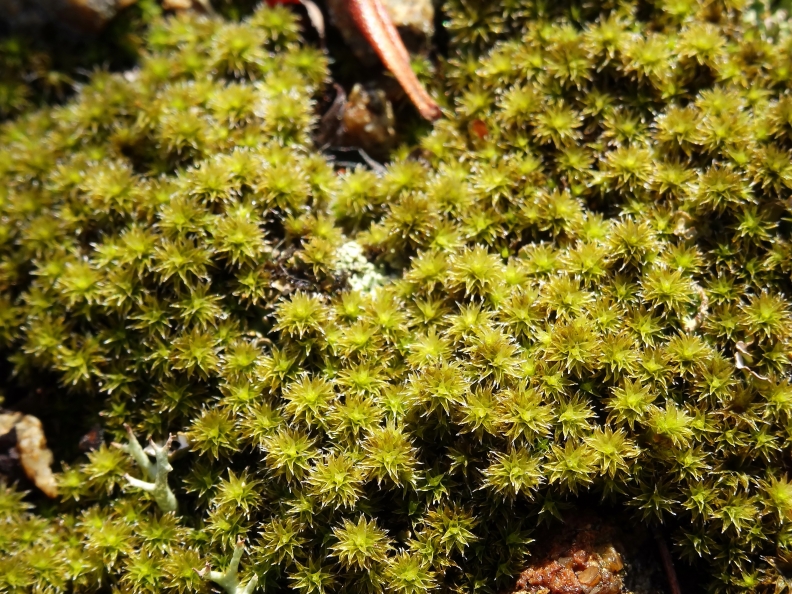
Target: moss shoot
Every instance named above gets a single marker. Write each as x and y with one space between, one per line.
583 289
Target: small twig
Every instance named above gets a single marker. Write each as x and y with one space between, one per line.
373 22
668 564
375 165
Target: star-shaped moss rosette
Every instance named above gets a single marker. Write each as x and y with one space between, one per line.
583 293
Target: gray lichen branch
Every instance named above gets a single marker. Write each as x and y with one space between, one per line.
156 471
229 579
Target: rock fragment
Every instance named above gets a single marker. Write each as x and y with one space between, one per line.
31 449
592 554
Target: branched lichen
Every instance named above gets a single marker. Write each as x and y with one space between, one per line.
156 472
229 579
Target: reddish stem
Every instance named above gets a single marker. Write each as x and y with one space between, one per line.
373 21
668 564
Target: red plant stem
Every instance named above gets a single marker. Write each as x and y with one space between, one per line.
373 21
668 564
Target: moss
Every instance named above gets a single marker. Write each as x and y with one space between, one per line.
586 294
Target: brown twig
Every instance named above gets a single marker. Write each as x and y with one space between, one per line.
373 22
668 564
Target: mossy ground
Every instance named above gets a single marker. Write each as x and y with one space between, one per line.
591 268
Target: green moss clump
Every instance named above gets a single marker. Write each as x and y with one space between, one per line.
590 264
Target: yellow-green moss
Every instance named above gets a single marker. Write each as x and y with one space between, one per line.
590 266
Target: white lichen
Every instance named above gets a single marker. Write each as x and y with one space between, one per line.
363 276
